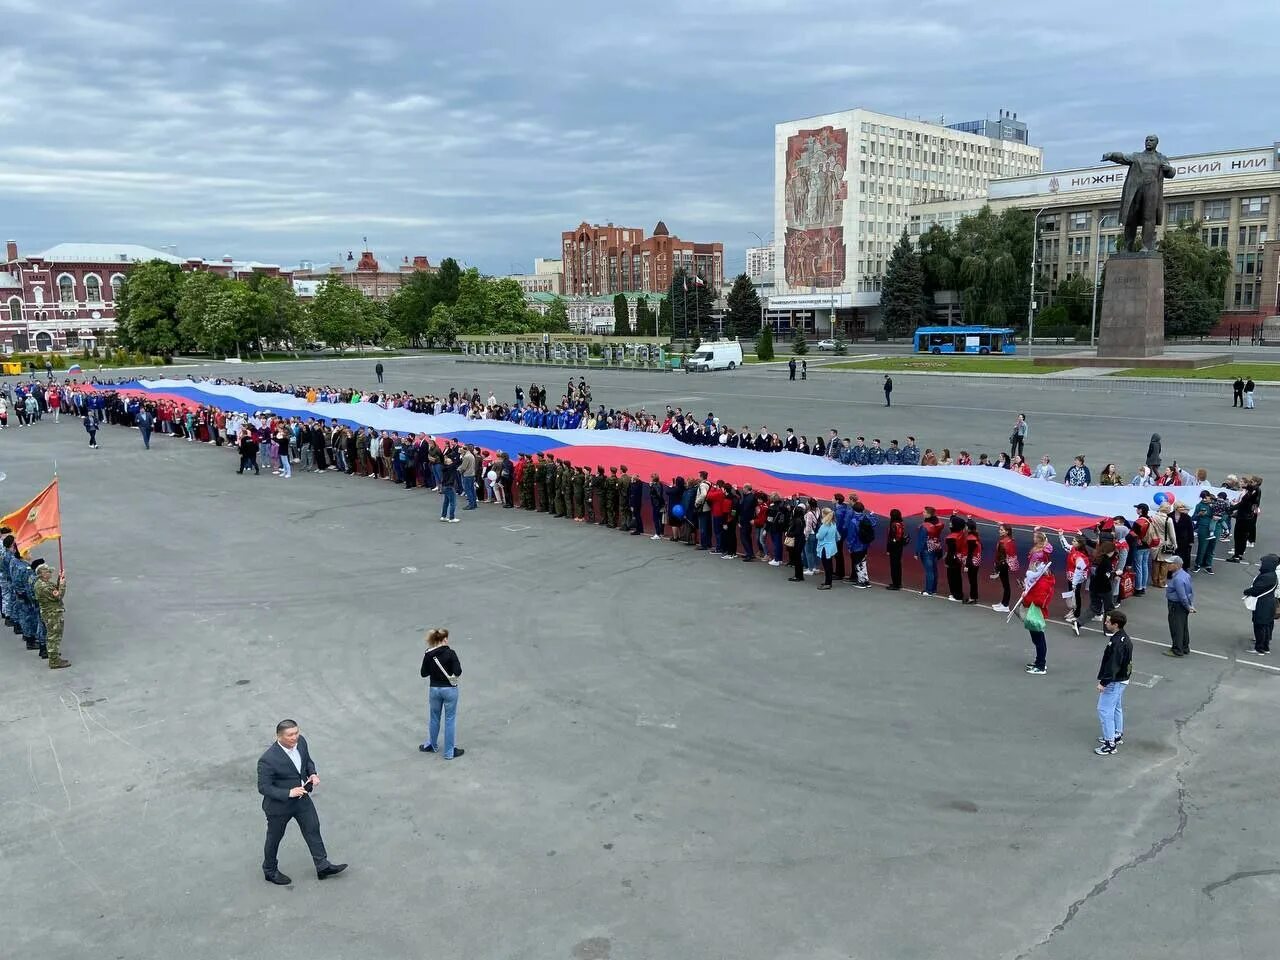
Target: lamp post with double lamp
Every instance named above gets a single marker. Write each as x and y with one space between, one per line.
1093 313
1031 301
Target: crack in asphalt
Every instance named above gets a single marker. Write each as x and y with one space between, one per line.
1158 847
1238 875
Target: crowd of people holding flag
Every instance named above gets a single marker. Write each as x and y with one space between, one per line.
32 596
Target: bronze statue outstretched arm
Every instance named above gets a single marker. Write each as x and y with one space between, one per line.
1116 156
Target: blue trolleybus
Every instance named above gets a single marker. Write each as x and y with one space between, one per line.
982 340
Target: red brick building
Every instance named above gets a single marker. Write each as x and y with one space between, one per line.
604 260
366 274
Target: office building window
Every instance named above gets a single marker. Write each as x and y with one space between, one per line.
1247 264
1215 236
1180 212
1254 207
1244 294
1081 219
1251 236
1108 218
1217 210
1107 244
1049 224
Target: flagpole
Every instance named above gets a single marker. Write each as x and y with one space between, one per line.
61 566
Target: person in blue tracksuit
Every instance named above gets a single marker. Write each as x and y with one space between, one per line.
862 527
842 514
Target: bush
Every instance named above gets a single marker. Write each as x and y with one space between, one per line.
841 348
157 361
58 362
881 336
764 344
95 353
799 346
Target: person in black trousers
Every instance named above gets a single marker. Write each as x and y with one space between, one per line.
897 539
1264 614
286 778
954 559
1237 393
378 370
1246 514
888 388
972 557
795 531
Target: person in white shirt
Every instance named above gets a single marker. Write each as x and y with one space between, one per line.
1044 470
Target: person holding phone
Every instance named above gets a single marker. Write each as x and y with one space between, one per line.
442 669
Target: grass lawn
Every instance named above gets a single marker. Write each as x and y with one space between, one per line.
943 364
1262 372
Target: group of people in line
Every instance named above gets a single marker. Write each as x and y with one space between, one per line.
31 600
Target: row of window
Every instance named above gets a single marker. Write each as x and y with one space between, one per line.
92 288
1251 208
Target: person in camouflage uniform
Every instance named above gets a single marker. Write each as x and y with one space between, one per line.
548 484
526 482
6 587
624 500
598 484
611 498
564 496
50 594
539 483
588 498
578 485
24 611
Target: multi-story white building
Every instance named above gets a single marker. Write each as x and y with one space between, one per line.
547 277
759 262
843 187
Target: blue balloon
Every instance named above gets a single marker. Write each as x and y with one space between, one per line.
1161 498
677 511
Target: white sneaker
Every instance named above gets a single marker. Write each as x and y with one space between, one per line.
454 520
925 593
774 563
655 537
954 599
444 519
999 608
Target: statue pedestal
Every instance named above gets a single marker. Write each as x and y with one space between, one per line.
1131 321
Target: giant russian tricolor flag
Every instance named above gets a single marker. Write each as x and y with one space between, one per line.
985 492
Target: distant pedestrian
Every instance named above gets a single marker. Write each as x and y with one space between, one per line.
145 420
804 369
1249 387
378 370
442 670
888 389
1181 599
896 541
791 368
1263 593
91 428
1113 677
1237 393
1019 436
1153 453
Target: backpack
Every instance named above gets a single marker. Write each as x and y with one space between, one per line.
866 530
1147 537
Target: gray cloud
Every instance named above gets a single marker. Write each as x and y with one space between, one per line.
481 130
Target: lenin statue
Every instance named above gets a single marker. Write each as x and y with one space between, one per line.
1143 199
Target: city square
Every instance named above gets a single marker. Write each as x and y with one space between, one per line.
649 733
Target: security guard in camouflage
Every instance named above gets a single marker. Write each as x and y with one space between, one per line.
539 483
50 595
563 494
598 484
6 587
624 500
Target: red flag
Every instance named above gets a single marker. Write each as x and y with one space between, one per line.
38 521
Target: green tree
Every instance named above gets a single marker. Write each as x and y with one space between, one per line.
233 314
621 319
441 329
557 319
764 343
666 318
1195 281
841 348
691 303
197 289
409 309
937 261
902 295
1075 294
799 345
448 281
743 315
993 254
471 308
646 319
146 315
283 321
342 315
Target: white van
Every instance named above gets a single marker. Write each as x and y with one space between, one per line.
719 355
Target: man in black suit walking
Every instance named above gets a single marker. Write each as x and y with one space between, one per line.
286 777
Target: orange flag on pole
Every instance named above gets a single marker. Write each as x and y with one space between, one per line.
38 521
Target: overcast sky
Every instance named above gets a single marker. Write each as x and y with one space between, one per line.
480 129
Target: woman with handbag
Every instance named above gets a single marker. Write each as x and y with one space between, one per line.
794 541
442 669
1036 599
1164 542
1260 600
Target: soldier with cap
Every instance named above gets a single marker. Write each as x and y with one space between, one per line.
611 499
624 500
50 595
598 485
578 484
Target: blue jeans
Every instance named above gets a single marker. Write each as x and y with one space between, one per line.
443 700
286 470
775 537
811 551
450 505
929 560
469 490
1111 711
704 530
437 474
1141 568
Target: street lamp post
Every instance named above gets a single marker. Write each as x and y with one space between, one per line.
1093 313
1031 300
763 243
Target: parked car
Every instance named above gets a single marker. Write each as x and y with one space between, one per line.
826 344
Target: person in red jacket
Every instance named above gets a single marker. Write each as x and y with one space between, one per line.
955 551
972 557
1038 594
719 504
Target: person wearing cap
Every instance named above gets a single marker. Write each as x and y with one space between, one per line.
1181 599
1143 532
